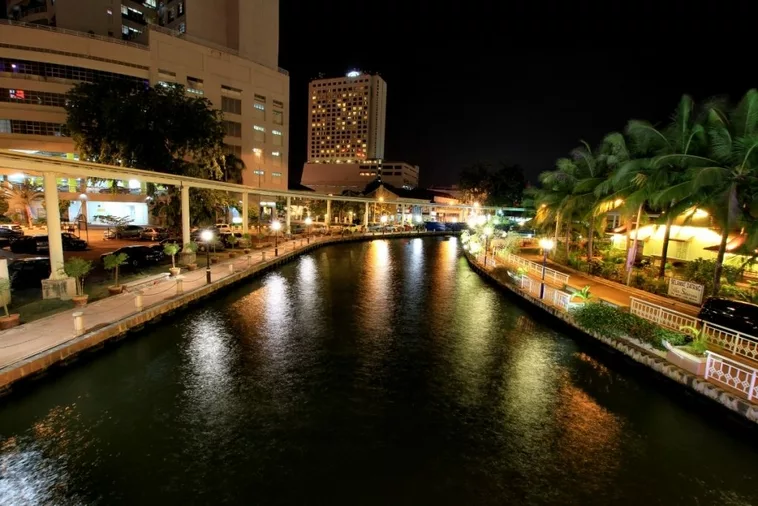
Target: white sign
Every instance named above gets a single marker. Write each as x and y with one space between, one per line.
686 290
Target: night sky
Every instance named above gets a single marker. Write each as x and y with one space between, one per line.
522 83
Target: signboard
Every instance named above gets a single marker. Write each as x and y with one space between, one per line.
686 290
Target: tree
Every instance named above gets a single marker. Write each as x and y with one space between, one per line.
25 194
78 268
506 186
155 128
112 262
475 182
726 178
683 137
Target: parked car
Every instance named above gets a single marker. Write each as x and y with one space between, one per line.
171 240
28 272
434 226
223 227
13 226
732 314
138 256
73 243
8 236
153 233
126 232
30 244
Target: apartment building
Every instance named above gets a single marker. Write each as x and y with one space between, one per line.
346 118
39 64
335 178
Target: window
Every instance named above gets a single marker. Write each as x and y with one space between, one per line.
230 92
278 117
233 129
55 71
257 151
260 98
232 105
260 106
277 157
259 133
278 104
180 8
258 128
231 149
14 126
124 9
277 137
276 174
258 172
32 97
182 27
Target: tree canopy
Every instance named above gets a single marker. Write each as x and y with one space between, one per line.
500 186
160 129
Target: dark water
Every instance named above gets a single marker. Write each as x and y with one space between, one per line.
375 373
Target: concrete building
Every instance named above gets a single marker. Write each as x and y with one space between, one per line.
346 118
335 178
246 27
39 64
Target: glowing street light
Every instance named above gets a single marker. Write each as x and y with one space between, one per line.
207 237
276 226
546 245
308 223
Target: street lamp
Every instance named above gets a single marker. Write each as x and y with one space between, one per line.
546 245
276 226
308 223
83 214
207 237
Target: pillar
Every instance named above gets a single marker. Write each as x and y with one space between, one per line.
185 214
245 212
365 216
328 215
53 226
288 216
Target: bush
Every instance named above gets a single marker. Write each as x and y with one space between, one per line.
612 322
702 271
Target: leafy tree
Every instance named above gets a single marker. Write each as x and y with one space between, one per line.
26 194
112 262
78 268
475 182
506 186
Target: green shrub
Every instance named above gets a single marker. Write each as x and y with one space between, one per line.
702 271
612 322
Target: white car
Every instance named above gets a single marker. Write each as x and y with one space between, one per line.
224 228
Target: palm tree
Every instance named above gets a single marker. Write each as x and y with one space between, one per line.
725 179
683 137
25 193
557 197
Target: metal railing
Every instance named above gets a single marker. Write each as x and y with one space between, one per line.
723 337
533 267
662 316
530 286
556 297
732 374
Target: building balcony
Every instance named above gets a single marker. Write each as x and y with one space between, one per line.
38 14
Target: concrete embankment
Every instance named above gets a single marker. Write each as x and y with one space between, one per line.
708 391
111 325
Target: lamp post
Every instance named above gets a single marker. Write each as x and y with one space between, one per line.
383 220
546 245
308 223
83 214
207 237
487 233
276 226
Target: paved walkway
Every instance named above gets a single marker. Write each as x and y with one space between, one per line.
613 292
38 336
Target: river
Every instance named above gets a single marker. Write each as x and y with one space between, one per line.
384 372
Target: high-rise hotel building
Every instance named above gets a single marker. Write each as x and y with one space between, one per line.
224 50
347 118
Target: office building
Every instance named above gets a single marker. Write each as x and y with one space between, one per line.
39 64
346 118
335 178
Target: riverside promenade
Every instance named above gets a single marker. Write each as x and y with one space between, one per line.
31 348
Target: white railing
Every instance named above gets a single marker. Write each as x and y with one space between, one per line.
551 275
530 286
556 297
723 337
732 374
662 316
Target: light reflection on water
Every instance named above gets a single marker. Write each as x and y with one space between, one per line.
377 373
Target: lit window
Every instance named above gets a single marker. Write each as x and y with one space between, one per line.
260 107
258 151
258 172
276 132
276 153
124 9
17 94
276 174
261 129
109 11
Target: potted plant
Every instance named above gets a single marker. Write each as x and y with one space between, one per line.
112 263
9 320
171 249
583 295
232 240
191 248
78 268
690 356
247 242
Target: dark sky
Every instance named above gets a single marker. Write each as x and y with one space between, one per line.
522 83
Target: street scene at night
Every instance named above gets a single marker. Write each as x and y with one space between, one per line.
282 252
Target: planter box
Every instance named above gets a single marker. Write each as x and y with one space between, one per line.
690 363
